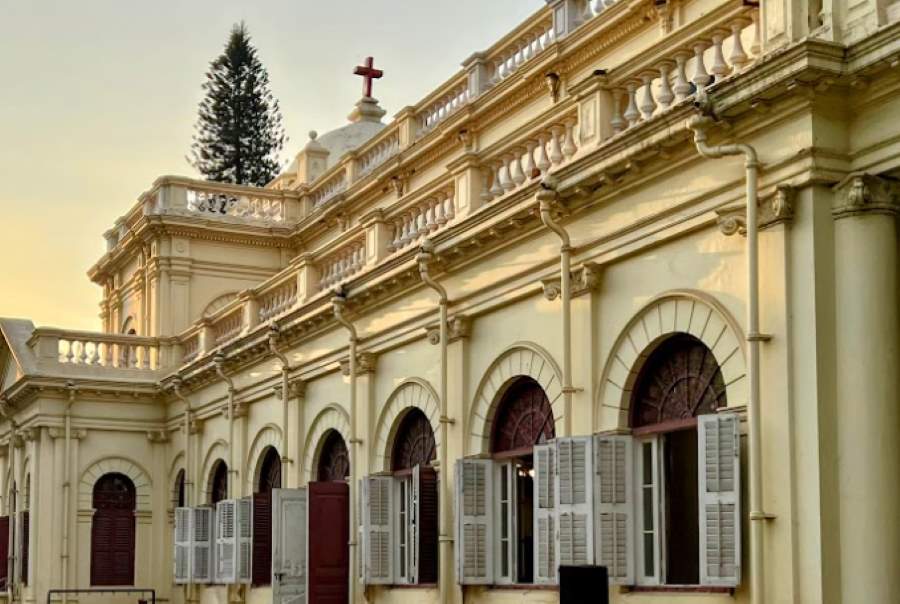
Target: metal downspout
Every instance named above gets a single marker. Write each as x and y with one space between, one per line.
699 124
424 259
339 303
547 198
189 588
11 545
67 487
285 395
219 362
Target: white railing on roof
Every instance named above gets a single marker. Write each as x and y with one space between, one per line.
423 218
345 262
330 188
384 149
439 110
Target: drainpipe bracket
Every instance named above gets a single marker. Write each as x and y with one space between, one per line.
571 390
755 516
356 441
759 337
446 420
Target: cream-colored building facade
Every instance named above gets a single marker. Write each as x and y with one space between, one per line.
554 245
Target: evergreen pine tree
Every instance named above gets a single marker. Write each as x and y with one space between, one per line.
238 135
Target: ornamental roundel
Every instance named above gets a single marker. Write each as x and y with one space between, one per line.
680 380
334 460
524 417
414 443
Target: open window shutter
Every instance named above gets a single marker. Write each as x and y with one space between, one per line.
425 485
474 517
226 542
261 567
613 504
545 569
289 561
4 550
719 465
361 532
244 534
201 545
378 514
25 532
182 571
574 501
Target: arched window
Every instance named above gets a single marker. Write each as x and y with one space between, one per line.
178 491
218 482
269 478
679 381
522 420
334 459
413 443
416 493
112 531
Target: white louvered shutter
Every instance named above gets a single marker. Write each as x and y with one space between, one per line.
474 522
614 507
289 560
378 515
719 464
574 501
415 533
244 534
182 570
202 528
226 542
545 568
361 533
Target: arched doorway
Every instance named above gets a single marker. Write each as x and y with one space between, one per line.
268 478
329 508
112 531
522 420
679 381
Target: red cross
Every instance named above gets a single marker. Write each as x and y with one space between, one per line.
369 73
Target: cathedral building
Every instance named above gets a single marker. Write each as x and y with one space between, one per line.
622 292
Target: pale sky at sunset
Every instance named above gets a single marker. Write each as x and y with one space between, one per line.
99 97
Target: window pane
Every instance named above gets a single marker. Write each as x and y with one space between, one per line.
647 459
649 569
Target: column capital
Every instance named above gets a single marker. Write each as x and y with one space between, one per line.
862 193
365 363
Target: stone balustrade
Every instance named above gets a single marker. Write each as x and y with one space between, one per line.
190 347
707 59
278 299
530 44
423 218
228 327
345 262
549 148
439 110
375 154
331 187
57 348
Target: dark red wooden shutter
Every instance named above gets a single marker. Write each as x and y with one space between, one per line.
4 551
329 552
26 545
262 538
428 525
113 531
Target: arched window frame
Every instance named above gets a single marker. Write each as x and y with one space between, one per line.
113 524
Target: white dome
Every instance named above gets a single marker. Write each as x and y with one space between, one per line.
347 138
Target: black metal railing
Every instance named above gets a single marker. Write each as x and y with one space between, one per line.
111 590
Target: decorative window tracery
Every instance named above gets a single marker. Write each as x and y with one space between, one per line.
524 417
334 460
680 380
414 443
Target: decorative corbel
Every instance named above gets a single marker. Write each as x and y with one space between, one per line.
459 327
862 193
365 363
31 434
195 426
552 83
585 278
158 436
777 208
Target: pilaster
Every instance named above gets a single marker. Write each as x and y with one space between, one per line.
868 353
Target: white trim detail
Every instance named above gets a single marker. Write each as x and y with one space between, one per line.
413 393
268 436
119 465
333 417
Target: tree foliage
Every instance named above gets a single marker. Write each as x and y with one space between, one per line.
239 134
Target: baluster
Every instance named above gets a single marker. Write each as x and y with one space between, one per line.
146 356
648 105
529 167
599 6
132 356
82 349
430 218
95 353
617 121
518 176
505 177
587 14
450 204
700 78
440 210
756 45
665 96
486 174
738 57
496 184
631 112
108 354
70 353
422 222
569 148
556 155
719 68
543 162
683 88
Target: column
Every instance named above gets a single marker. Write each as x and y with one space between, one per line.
867 323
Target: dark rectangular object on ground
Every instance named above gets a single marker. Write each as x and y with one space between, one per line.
583 585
